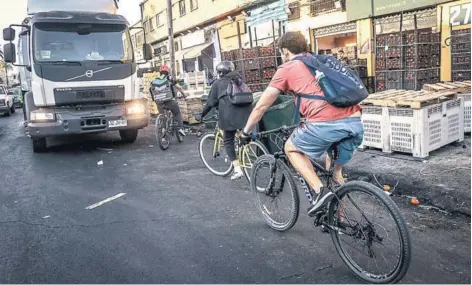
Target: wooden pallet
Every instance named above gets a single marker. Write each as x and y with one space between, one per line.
408 98
462 87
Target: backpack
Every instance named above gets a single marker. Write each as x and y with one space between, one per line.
342 87
161 90
239 93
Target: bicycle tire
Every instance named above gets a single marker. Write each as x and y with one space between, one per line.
405 258
207 137
247 171
161 134
281 166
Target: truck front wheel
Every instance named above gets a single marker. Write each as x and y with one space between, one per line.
39 145
129 136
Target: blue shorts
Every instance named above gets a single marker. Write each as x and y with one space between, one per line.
314 139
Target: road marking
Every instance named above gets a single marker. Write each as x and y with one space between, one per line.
105 201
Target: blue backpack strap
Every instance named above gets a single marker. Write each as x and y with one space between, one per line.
296 117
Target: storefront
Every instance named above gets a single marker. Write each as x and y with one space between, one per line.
338 40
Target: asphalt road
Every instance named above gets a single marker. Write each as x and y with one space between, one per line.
177 222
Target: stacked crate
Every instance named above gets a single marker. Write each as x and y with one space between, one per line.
190 106
407 60
460 53
415 122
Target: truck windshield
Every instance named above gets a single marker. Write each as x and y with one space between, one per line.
55 42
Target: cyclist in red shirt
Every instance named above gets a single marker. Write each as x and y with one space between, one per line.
324 124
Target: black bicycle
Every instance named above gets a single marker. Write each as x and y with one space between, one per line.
361 219
166 127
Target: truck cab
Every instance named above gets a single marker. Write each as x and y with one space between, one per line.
79 74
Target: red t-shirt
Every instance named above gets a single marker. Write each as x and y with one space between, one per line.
295 77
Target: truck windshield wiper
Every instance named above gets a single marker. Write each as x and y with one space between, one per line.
62 62
110 61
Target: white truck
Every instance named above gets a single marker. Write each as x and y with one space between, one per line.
77 70
7 105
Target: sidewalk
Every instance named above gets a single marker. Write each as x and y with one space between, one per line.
442 180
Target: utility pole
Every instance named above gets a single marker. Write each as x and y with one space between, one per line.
171 38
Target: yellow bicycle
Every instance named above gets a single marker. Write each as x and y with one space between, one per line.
213 154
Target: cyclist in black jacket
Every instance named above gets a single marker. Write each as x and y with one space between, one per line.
231 117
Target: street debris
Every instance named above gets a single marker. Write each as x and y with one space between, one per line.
414 201
105 149
386 188
46 217
100 163
125 164
151 146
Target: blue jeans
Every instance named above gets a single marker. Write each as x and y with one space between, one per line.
314 139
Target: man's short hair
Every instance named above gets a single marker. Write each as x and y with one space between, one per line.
295 42
341 51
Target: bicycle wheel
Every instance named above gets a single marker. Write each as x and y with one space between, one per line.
214 156
275 177
250 154
359 236
161 132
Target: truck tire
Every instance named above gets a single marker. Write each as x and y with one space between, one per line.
129 136
39 145
12 108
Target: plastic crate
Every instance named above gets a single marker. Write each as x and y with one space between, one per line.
413 131
467 111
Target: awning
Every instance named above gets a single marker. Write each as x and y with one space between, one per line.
196 51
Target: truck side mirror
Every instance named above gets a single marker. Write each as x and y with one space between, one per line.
9 53
8 34
147 52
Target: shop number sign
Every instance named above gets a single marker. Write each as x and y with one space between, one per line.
460 14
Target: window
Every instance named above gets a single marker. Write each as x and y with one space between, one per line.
151 25
327 6
69 42
145 25
160 19
294 10
193 5
176 46
182 7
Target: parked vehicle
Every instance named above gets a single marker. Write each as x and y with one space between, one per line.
6 101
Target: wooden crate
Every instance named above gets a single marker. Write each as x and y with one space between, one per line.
189 107
456 86
408 98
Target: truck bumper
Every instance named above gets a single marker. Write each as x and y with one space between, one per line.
3 109
87 120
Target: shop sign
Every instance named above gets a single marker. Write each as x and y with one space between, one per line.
361 9
336 29
460 14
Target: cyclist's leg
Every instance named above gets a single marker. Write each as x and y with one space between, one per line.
160 107
228 139
173 106
346 148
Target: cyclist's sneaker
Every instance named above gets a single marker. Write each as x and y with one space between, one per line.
237 174
323 198
182 132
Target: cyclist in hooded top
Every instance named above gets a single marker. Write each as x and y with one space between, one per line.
231 117
324 124
171 105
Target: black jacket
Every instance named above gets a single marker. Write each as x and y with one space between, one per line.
231 117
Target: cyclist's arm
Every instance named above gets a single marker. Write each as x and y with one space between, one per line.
212 101
180 89
267 99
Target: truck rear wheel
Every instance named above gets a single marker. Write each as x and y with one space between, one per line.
129 136
39 145
8 113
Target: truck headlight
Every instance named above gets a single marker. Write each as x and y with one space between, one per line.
135 109
40 116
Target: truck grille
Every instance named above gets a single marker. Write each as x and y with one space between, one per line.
2 102
89 95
